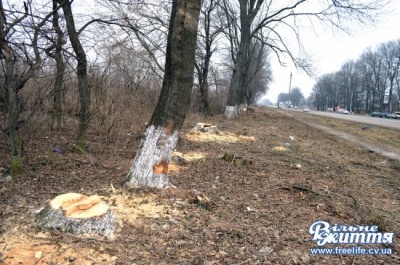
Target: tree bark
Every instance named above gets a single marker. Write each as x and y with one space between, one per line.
60 70
204 93
203 84
151 162
81 71
208 39
12 117
236 93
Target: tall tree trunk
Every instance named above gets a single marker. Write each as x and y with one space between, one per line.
12 114
398 95
151 162
236 88
391 92
81 71
60 70
203 70
202 73
367 106
204 85
373 100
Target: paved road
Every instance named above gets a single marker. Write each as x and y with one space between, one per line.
391 123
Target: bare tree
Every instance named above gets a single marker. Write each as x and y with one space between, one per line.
374 64
55 52
237 83
364 85
81 71
265 21
391 54
13 52
206 40
367 78
296 96
258 73
137 24
151 162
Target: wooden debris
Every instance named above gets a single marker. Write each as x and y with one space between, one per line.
236 159
228 157
304 189
178 158
279 148
250 109
202 201
205 128
38 254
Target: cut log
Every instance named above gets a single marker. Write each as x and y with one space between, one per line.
78 214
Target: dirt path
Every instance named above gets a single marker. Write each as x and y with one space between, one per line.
384 150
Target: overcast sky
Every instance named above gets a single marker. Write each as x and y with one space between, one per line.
330 51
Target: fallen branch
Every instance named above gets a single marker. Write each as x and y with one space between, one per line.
301 188
230 164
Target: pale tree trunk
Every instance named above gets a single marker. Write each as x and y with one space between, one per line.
81 71
151 162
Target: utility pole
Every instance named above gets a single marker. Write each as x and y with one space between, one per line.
290 84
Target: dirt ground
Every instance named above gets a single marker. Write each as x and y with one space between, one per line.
278 177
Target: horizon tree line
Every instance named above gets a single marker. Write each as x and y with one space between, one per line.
369 83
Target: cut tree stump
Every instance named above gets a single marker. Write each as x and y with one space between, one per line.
78 214
205 128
